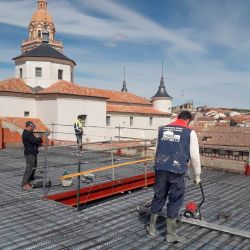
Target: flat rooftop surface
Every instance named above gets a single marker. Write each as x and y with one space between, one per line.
30 222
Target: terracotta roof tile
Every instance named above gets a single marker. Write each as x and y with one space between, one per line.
123 97
238 118
64 87
20 122
15 85
134 109
224 136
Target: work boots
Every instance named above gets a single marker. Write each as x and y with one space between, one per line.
151 227
171 231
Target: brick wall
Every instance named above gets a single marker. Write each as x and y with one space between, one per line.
1 135
9 134
11 137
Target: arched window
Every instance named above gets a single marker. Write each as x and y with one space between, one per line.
39 33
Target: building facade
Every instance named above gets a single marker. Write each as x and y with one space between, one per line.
44 88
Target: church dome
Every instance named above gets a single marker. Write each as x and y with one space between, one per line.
42 14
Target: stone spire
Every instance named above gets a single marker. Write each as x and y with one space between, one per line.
124 87
41 19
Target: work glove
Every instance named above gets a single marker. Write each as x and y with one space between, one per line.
197 180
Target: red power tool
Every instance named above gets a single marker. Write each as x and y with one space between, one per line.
192 209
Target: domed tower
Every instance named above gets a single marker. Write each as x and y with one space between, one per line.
41 20
42 66
162 101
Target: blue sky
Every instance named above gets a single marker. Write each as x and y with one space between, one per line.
204 45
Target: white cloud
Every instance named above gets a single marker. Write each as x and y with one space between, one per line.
221 23
206 78
123 24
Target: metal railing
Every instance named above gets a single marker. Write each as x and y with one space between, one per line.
109 148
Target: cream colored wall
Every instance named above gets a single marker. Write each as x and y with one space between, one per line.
49 73
141 126
47 111
16 106
223 164
69 108
64 111
162 105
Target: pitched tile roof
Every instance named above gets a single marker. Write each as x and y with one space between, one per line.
124 97
224 136
20 122
15 85
64 87
134 109
238 118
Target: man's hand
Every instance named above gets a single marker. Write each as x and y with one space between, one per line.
197 180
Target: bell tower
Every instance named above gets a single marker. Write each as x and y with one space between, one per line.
41 20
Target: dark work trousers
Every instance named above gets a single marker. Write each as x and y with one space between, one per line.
31 165
79 140
171 185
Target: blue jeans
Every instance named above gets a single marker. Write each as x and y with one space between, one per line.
171 185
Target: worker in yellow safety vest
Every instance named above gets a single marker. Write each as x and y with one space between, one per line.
78 126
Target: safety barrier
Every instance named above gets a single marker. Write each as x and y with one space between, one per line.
123 152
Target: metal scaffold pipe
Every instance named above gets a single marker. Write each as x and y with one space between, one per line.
105 168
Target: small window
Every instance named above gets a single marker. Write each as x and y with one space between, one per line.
26 113
206 138
236 153
39 33
21 73
108 120
131 120
38 72
150 121
222 152
60 74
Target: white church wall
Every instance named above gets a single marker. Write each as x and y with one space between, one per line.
162 105
49 73
141 127
47 112
16 106
64 111
69 108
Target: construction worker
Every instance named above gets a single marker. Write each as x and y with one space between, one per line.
78 126
31 144
177 144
